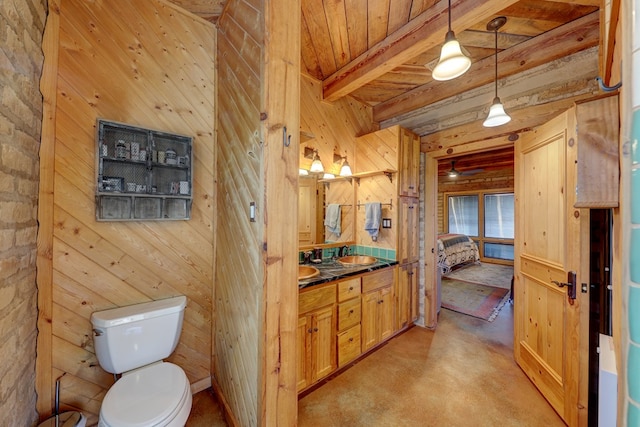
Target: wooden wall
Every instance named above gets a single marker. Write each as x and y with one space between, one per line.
148 64
239 268
256 289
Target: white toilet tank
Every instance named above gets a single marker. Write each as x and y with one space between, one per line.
127 338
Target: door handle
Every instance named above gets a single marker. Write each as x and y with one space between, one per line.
571 286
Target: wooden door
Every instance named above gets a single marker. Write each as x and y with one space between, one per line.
403 286
385 313
408 250
409 163
306 212
547 333
302 355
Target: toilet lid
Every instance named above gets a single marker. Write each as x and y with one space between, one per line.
146 396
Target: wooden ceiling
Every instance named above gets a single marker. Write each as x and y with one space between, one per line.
380 52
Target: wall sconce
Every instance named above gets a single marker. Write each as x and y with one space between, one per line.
453 63
303 172
497 116
316 164
345 169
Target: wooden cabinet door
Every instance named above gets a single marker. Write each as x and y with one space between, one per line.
408 244
414 298
323 344
303 352
385 313
402 296
409 167
369 320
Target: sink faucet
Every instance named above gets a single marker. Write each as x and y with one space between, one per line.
344 251
307 257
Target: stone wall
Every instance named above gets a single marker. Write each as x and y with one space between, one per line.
22 24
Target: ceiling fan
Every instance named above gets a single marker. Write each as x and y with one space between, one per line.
454 173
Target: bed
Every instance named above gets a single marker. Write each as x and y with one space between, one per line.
456 249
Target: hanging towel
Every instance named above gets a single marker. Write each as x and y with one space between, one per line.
372 215
332 219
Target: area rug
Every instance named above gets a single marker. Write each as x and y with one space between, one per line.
488 274
473 299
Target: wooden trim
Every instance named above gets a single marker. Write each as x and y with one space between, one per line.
200 385
44 260
226 409
430 236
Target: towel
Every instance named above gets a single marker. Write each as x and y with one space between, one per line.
332 219
372 215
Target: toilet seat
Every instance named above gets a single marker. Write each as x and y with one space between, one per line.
154 395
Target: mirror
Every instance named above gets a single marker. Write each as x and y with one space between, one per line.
314 197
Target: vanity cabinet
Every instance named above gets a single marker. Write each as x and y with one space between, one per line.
406 295
408 236
316 337
142 174
409 163
377 307
349 316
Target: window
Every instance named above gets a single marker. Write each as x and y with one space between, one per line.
488 217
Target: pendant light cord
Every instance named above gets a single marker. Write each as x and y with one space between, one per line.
449 15
496 45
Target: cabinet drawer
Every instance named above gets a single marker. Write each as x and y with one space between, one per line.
315 298
348 289
348 345
377 279
349 313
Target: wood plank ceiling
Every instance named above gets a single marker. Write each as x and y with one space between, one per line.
380 52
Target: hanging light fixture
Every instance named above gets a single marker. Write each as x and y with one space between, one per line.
497 116
452 63
453 173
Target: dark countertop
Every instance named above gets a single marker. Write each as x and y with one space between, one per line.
333 270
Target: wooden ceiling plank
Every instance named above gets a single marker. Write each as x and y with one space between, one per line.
420 34
563 41
356 12
313 14
308 53
378 20
399 14
419 6
337 21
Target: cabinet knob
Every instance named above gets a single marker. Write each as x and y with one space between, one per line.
350 311
350 339
315 329
380 302
309 330
350 288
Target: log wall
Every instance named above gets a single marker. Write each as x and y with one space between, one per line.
152 65
22 23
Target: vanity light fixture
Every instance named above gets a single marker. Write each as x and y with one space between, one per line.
452 63
497 116
303 172
328 175
316 164
345 169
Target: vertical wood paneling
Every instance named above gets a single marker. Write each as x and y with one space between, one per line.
150 65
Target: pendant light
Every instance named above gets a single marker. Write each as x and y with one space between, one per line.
452 63
497 116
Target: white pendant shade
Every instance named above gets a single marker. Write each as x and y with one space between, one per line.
316 165
328 176
303 172
497 116
345 170
453 63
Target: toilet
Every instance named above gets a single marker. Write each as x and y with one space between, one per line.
132 341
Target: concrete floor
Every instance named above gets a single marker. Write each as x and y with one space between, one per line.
461 375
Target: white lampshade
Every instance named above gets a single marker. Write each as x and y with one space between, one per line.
328 176
345 170
453 63
316 164
303 172
497 116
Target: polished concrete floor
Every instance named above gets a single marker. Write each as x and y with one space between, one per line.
461 375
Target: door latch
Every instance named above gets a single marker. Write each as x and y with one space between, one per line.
571 286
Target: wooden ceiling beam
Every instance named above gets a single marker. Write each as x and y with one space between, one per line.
450 141
420 34
573 37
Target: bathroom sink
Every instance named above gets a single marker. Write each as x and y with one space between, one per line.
307 272
357 260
